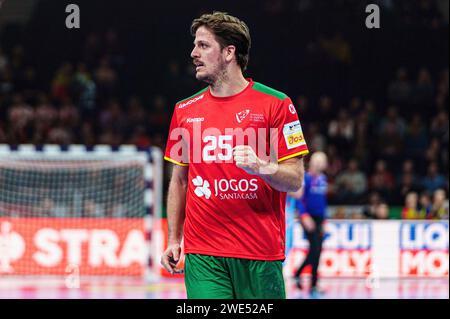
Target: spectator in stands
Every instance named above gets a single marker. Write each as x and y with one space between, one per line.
422 94
59 135
382 211
49 208
87 134
416 138
21 117
304 108
408 168
433 151
362 131
172 79
119 211
83 90
137 115
68 115
92 48
355 107
406 185
433 180
341 131
372 115
338 48
439 209
45 118
443 85
107 79
92 209
439 129
390 144
317 141
112 48
140 137
410 208
393 120
159 117
110 137
399 90
326 113
17 60
439 125
382 180
112 117
6 81
61 82
335 166
425 205
351 184
340 213
27 81
159 140
2 133
3 61
369 211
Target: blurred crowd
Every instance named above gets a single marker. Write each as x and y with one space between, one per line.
391 150
81 105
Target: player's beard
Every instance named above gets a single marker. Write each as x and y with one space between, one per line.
216 76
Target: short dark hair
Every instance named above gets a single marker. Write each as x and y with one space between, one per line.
228 30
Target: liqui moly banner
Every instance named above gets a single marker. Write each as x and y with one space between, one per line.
424 249
57 246
355 248
347 249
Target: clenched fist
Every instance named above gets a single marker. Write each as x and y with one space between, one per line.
246 158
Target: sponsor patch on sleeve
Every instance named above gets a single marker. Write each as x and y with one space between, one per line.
293 134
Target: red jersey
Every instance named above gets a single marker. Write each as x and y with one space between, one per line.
229 212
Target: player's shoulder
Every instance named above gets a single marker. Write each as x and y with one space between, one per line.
268 91
191 99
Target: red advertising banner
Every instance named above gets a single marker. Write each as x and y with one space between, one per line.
58 246
160 235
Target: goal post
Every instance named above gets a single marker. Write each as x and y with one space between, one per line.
75 207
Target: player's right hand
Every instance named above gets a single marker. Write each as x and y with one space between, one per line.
170 259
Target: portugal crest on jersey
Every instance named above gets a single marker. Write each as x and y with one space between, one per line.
242 115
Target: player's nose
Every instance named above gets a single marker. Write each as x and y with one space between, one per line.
194 53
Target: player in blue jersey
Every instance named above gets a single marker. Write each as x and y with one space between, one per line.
312 209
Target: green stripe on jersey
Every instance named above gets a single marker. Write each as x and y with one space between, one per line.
201 91
267 90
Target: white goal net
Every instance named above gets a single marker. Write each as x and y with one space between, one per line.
77 209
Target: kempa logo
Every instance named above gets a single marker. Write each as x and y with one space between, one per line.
242 115
202 187
194 119
182 105
12 247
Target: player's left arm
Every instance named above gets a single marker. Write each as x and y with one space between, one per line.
288 176
285 176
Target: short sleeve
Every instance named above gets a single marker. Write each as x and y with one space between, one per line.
177 148
290 138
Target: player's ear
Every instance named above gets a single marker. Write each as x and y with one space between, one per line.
229 52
